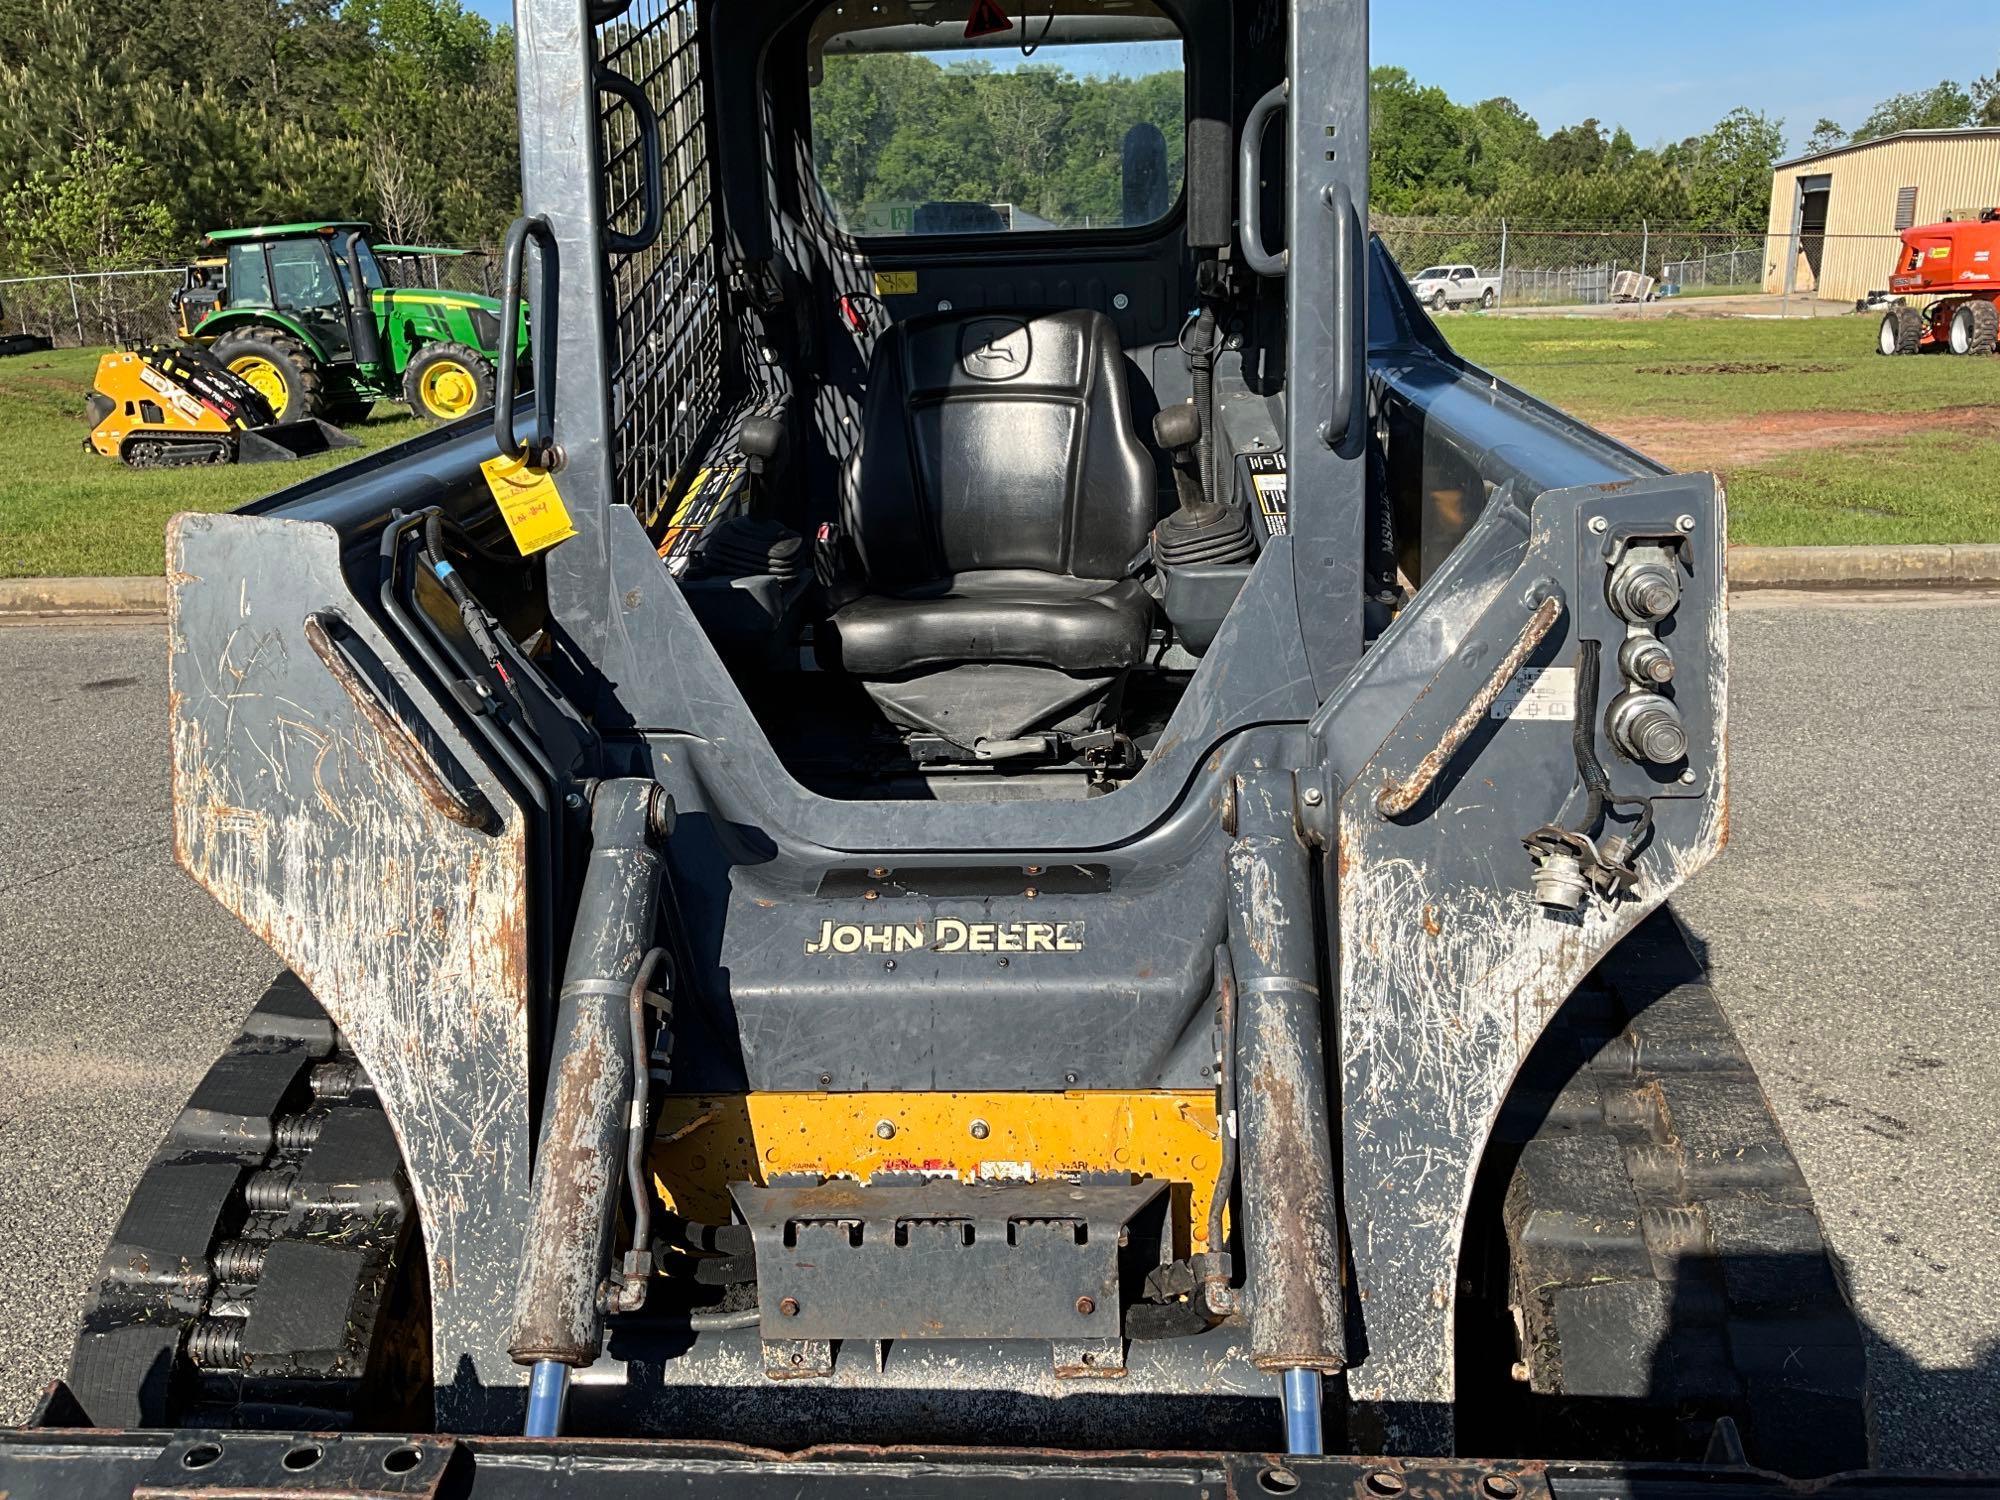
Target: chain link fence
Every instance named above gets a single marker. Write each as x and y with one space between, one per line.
1586 265
89 309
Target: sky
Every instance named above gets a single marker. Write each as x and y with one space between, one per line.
1662 72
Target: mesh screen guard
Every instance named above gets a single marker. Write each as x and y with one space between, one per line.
665 353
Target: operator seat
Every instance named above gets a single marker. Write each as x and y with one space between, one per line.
995 505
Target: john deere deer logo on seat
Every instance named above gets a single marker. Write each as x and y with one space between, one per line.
994 349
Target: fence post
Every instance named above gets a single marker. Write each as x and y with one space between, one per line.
1645 245
1503 261
76 308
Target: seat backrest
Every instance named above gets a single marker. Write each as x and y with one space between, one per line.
998 440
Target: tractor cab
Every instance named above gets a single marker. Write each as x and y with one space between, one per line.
307 314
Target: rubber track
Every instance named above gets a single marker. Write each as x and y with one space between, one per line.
1663 1263
259 1267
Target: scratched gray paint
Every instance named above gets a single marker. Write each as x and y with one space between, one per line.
1448 971
407 926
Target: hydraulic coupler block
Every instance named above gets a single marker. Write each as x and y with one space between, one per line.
1647 727
1291 1230
1645 587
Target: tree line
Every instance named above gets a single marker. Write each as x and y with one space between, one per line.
131 129
899 128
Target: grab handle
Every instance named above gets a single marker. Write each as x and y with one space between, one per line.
1249 195
653 213
1348 354
541 346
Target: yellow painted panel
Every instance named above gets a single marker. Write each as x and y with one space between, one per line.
707 1142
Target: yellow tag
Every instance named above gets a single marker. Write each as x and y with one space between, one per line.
895 283
535 513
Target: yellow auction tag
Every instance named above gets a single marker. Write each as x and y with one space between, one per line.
535 513
895 283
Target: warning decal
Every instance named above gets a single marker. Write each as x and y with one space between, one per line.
703 502
1538 693
987 19
1268 480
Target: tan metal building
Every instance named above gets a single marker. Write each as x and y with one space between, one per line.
1835 215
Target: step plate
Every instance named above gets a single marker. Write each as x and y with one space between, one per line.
934 1260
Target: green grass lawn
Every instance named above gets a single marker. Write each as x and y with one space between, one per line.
1822 440
68 512
1700 393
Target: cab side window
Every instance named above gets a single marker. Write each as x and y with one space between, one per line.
249 283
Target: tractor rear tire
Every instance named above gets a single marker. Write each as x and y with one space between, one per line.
284 371
444 382
268 1270
1975 328
1902 331
1651 1263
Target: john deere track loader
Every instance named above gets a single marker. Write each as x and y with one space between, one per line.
1019 852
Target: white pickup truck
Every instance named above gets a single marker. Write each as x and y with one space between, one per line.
1439 287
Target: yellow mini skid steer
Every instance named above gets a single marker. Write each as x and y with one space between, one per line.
163 406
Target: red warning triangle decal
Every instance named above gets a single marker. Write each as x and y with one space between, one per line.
987 19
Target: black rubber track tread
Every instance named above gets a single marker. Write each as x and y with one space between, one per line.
266 1271
1657 1264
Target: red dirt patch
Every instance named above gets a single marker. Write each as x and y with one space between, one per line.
1736 442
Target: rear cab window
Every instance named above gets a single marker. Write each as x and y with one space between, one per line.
959 117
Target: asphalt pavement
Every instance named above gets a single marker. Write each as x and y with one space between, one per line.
1852 927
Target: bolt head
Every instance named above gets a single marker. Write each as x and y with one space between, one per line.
1069 1078
1312 796
1599 525
789 1307
885 1130
1085 1307
981 1130
1684 523
1687 778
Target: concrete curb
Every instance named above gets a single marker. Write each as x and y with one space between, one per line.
1969 566
1863 567
83 596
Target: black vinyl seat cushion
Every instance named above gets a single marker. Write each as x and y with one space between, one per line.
1079 625
996 499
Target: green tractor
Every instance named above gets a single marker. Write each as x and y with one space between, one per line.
278 305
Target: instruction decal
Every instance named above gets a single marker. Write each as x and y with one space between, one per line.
1538 693
529 503
1268 480
895 283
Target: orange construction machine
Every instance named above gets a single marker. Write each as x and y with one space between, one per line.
1952 271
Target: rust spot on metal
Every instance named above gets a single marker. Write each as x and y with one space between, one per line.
1398 797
